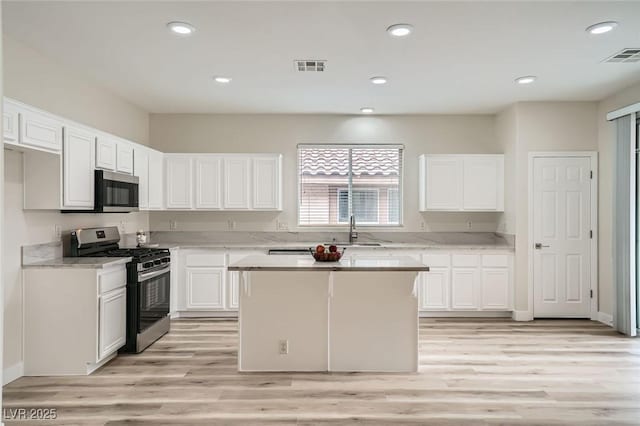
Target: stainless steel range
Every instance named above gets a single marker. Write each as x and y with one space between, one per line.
148 283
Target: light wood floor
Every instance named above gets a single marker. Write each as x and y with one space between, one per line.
472 372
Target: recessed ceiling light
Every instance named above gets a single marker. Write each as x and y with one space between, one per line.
378 80
601 27
223 80
527 79
181 28
400 30
366 110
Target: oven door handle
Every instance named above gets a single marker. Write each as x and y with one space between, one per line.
152 274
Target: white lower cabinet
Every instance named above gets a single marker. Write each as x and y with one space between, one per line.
205 288
434 293
495 289
201 282
466 282
112 324
74 319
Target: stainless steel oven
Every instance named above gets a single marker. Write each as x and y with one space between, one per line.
115 192
153 296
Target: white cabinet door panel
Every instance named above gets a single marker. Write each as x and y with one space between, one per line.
464 287
233 277
105 153
237 183
208 182
443 183
156 180
10 116
141 170
434 294
495 289
205 288
124 157
267 183
179 177
482 183
78 169
112 322
40 131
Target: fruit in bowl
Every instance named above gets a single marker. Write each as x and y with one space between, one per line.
322 254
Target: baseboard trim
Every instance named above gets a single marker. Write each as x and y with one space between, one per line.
12 373
605 318
204 314
465 314
522 316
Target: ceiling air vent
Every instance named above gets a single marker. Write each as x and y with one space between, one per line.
305 65
626 55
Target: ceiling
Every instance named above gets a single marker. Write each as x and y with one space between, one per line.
461 58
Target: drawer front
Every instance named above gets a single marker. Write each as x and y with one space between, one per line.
437 260
464 260
111 279
204 259
495 260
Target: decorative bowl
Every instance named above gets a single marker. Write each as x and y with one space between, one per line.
327 256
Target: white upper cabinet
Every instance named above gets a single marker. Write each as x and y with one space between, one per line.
441 183
78 167
179 181
483 183
267 183
105 153
141 170
237 182
10 123
40 130
124 157
208 178
156 180
461 182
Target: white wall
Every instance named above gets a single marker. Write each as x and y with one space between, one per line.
606 147
37 80
532 127
281 133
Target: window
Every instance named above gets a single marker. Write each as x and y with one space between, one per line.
338 181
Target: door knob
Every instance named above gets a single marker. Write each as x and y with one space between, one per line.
539 246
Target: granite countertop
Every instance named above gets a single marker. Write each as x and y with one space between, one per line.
79 262
306 245
305 263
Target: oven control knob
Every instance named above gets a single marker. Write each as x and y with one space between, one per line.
166 259
147 264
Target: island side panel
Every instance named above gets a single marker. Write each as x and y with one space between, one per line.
283 306
373 322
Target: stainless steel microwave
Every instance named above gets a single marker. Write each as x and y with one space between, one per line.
115 192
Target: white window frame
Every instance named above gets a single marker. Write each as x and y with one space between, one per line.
389 191
401 147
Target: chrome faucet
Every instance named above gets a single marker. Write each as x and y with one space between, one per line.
353 235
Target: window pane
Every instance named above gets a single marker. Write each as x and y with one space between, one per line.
376 172
324 175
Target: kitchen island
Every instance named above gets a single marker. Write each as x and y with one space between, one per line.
359 314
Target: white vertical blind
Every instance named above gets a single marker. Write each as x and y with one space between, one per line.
337 181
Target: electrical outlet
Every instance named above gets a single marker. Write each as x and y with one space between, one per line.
469 225
282 226
423 225
231 224
283 346
173 225
122 227
57 231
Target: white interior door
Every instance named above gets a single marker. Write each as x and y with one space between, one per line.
561 232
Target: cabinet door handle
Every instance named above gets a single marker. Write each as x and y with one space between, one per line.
539 246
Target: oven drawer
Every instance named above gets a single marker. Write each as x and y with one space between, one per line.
111 279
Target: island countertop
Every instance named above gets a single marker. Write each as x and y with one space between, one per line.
307 263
